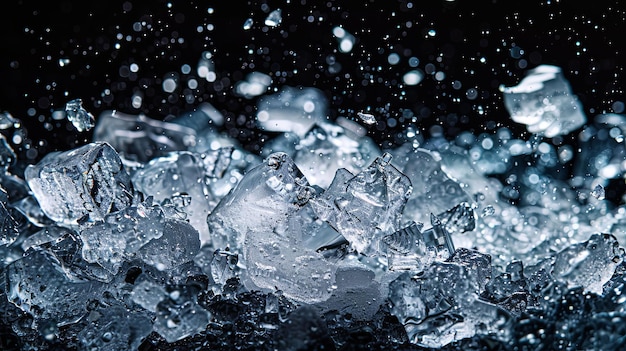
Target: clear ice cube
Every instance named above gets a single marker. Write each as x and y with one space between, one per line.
89 181
115 328
179 315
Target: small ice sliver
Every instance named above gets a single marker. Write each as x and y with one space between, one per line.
367 118
82 119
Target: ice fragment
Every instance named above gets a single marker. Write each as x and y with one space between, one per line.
87 181
80 118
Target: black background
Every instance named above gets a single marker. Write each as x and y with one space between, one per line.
585 40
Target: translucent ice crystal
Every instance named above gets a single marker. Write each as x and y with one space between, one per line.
115 328
82 119
367 206
262 200
89 181
292 110
544 102
179 315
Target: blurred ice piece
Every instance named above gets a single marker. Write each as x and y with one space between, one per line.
148 294
248 24
206 67
261 201
367 118
433 190
179 315
589 264
185 172
8 121
327 147
7 155
544 102
255 84
274 18
602 150
292 110
80 118
115 327
139 138
37 285
365 207
598 192
84 183
345 39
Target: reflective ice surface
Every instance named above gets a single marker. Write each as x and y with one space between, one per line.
388 176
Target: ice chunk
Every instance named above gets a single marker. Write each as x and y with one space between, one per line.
179 315
442 306
365 207
598 192
89 181
219 265
274 18
276 261
178 244
433 190
544 102
292 110
80 118
185 172
262 199
37 285
121 234
148 294
115 328
140 138
327 147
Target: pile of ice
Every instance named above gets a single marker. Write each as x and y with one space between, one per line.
169 233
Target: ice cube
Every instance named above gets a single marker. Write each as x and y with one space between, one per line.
406 250
89 181
82 119
544 102
178 244
140 138
148 294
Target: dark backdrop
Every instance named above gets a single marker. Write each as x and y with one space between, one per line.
476 44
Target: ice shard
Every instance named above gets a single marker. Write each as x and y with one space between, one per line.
7 155
84 183
179 315
140 138
544 102
365 207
